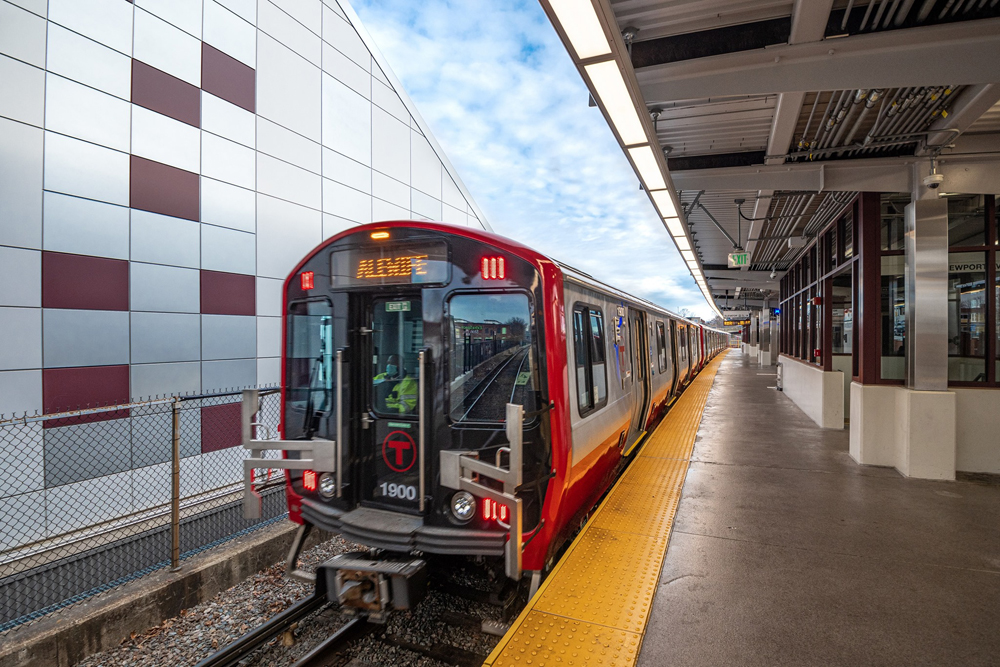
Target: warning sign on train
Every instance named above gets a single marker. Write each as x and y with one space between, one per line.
399 451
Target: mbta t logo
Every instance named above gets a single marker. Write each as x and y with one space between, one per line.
399 451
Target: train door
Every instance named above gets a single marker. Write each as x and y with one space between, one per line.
680 345
390 370
640 364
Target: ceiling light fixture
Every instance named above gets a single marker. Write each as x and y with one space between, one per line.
674 226
648 168
688 255
582 27
682 242
614 95
664 203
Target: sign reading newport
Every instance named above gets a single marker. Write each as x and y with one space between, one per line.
738 259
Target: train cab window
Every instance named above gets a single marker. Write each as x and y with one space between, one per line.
492 356
661 347
397 337
591 364
309 368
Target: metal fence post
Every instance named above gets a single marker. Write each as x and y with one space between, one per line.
175 489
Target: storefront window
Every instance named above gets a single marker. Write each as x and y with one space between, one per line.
967 316
893 317
966 221
893 223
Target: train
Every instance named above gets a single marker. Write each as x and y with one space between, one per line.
449 391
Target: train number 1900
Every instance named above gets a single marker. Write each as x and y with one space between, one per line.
399 491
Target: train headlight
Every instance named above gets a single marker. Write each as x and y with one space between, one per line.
463 505
327 485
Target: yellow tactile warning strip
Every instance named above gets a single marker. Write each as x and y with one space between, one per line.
593 607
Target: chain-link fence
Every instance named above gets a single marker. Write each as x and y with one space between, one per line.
93 498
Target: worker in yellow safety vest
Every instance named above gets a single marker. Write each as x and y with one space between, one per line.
403 397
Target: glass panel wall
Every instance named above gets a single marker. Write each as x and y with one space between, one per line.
966 221
893 317
967 317
843 314
893 223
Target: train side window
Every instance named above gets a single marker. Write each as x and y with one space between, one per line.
589 352
661 347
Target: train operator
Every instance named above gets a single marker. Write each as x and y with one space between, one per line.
403 397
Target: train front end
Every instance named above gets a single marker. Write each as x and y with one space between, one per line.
413 396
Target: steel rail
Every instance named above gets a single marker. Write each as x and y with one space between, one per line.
332 646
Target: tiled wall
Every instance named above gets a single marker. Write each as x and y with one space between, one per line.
163 166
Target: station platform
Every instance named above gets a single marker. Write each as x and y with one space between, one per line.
782 551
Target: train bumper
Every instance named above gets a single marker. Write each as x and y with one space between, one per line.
374 587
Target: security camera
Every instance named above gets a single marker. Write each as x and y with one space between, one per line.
773 272
933 181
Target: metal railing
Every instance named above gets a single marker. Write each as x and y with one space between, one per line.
92 498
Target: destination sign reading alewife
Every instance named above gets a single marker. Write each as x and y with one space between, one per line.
390 264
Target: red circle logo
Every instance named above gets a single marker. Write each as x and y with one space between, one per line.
399 451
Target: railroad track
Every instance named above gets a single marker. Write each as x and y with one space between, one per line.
488 387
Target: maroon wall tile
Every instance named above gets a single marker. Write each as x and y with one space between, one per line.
161 188
165 94
84 282
220 427
228 294
228 78
66 389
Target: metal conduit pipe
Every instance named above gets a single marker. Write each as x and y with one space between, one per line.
868 12
847 14
766 246
878 14
888 118
925 10
798 208
890 14
826 116
903 11
859 96
836 117
772 245
944 11
888 108
805 132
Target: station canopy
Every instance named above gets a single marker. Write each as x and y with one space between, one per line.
791 107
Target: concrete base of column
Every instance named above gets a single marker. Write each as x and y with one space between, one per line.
764 358
819 394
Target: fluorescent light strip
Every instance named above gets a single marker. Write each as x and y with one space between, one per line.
674 226
648 167
688 255
682 242
611 90
582 27
664 203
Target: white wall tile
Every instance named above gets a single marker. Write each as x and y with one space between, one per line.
344 170
288 31
269 296
425 205
74 109
20 183
333 225
331 8
21 333
84 337
165 379
306 13
246 9
76 167
22 35
385 211
223 466
227 250
109 23
390 146
390 190
191 472
288 88
285 233
228 337
184 14
450 194
230 374
86 227
268 336
345 39
228 205
161 239
162 288
39 7
81 59
20 392
161 337
378 74
22 91
167 48
425 167
285 145
227 161
347 121
163 139
85 503
20 277
23 518
286 181
345 70
345 202
230 34
386 98
22 460
269 371
150 486
453 216
227 120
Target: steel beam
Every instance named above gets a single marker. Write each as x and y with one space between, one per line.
955 53
972 103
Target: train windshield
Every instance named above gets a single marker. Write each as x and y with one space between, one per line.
398 335
309 368
492 361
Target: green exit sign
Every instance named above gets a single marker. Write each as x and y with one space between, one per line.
738 259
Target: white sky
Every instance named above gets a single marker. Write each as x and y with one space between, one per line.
508 107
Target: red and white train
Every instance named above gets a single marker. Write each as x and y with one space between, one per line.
446 390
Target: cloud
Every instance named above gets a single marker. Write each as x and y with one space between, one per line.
507 105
